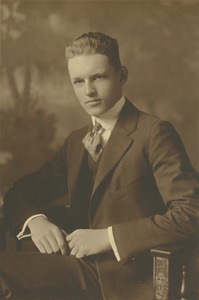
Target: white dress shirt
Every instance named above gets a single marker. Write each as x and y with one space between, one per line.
108 121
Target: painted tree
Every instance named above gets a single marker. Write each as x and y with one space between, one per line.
28 46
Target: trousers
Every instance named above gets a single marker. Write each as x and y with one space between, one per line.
32 275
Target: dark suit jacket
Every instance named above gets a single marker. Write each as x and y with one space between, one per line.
145 188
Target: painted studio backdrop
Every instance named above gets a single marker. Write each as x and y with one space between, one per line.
159 43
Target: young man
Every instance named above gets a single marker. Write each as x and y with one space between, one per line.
130 184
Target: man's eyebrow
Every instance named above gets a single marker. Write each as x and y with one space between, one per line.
100 73
77 78
93 75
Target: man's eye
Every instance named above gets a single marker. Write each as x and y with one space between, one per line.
99 77
78 82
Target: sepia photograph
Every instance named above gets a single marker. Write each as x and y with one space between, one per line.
99 150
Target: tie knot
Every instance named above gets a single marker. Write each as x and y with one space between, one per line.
97 127
92 142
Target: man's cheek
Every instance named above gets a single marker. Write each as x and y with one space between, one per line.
79 97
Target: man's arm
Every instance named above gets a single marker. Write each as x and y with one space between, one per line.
178 184
30 195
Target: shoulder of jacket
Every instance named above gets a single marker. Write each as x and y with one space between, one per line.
142 116
152 120
76 134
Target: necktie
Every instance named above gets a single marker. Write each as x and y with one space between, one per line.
92 142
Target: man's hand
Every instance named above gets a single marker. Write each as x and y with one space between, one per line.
47 237
85 242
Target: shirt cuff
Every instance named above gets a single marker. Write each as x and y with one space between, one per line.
112 242
22 233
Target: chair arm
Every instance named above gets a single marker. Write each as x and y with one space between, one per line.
170 271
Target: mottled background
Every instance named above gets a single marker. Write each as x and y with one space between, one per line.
159 42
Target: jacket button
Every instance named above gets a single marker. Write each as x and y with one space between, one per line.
132 258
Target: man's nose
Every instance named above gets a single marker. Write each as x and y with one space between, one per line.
89 89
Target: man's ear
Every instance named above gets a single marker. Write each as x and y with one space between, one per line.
123 75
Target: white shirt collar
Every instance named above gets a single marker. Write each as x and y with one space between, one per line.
109 118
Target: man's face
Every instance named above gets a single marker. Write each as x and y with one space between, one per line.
97 84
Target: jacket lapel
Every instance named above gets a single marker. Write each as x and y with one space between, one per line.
118 143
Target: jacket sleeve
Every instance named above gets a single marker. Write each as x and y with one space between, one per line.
30 194
178 184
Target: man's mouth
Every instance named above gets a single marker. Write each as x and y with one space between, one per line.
93 101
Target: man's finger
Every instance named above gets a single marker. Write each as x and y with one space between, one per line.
71 244
74 251
53 243
61 241
79 254
47 246
40 247
73 235
69 237
64 249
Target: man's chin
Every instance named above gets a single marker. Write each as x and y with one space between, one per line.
95 112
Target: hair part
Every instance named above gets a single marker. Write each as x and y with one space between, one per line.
95 43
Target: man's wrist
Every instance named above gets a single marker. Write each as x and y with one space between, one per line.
112 242
35 219
25 229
